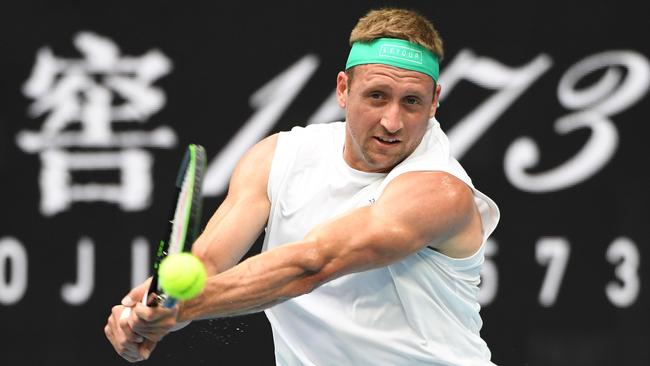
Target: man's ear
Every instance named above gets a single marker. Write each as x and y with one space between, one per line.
342 89
436 103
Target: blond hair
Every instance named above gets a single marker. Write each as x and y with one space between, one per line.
398 23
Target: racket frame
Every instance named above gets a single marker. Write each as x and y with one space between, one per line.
184 220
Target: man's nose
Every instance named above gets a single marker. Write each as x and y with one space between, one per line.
391 119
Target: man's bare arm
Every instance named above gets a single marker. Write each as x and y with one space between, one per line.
241 217
416 210
228 236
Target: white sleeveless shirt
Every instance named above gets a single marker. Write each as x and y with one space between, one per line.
421 310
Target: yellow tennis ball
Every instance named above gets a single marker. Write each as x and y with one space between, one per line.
182 276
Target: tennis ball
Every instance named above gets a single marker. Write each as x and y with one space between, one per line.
182 275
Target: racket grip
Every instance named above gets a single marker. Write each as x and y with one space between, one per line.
159 300
169 302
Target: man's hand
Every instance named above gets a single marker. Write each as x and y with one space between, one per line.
134 329
128 344
152 323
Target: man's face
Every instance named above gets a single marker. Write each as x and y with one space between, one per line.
387 110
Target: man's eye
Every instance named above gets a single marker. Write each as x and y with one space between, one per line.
412 100
375 95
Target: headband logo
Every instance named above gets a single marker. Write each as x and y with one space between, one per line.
394 52
401 53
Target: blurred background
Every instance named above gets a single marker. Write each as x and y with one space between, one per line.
546 105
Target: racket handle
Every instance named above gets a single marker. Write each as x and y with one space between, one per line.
152 299
169 302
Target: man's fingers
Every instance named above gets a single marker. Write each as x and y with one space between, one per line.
126 344
130 334
108 332
154 332
153 313
134 337
122 323
146 348
152 323
131 355
136 294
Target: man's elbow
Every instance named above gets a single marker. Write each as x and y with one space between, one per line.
203 254
313 268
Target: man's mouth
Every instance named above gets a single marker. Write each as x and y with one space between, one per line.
387 140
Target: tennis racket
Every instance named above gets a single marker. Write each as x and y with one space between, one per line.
184 220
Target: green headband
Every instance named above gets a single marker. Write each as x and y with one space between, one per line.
394 52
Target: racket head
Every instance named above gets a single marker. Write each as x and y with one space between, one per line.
184 219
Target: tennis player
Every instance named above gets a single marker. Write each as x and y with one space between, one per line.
374 232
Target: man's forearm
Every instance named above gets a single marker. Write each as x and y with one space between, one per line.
256 284
361 239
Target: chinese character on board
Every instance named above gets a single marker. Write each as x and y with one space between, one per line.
81 102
